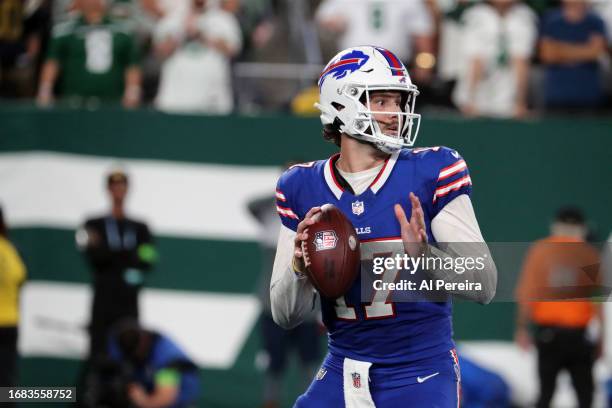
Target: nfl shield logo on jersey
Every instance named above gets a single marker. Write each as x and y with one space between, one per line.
358 207
356 380
325 240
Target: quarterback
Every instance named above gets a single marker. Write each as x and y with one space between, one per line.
382 353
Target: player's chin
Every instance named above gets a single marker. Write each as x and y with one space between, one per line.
391 132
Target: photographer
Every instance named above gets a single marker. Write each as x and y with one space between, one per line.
155 371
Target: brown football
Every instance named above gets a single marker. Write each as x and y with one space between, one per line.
333 250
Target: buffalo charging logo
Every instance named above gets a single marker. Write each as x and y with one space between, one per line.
347 64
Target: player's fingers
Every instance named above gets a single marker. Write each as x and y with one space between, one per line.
421 218
414 227
416 205
417 215
414 200
305 254
310 221
401 216
423 235
312 212
300 227
300 237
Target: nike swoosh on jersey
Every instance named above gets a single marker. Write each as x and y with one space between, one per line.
427 377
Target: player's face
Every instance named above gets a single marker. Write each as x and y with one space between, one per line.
387 101
90 5
118 190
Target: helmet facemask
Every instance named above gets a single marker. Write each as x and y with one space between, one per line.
365 127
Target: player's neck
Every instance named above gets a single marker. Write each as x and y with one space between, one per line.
118 212
93 16
356 157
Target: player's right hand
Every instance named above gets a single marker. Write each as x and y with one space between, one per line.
300 255
44 98
523 339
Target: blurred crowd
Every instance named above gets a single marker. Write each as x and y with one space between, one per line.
496 58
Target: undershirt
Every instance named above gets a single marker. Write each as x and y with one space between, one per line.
360 180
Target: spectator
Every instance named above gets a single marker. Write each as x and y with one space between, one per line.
196 49
573 39
22 28
497 41
405 27
119 250
12 275
66 9
161 374
559 276
96 57
279 343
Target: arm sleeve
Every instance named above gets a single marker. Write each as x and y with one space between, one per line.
99 255
474 40
598 26
57 43
132 53
456 228
285 208
451 179
228 30
168 27
522 33
547 26
328 9
292 296
146 253
167 377
419 18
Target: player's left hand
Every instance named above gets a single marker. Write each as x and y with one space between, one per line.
414 236
137 394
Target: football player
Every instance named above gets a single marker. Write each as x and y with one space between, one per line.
381 353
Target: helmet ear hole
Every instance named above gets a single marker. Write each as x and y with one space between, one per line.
338 106
363 99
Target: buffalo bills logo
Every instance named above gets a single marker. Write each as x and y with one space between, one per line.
347 64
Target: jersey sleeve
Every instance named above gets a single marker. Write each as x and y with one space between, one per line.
285 206
598 26
451 179
130 53
549 27
58 42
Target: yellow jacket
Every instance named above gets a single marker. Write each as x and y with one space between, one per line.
12 275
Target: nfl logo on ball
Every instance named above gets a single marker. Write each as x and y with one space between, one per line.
325 240
358 207
356 380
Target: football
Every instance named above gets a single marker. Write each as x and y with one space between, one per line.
333 251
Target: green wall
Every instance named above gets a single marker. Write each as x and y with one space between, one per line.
522 171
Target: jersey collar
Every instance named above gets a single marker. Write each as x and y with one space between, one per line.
337 189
